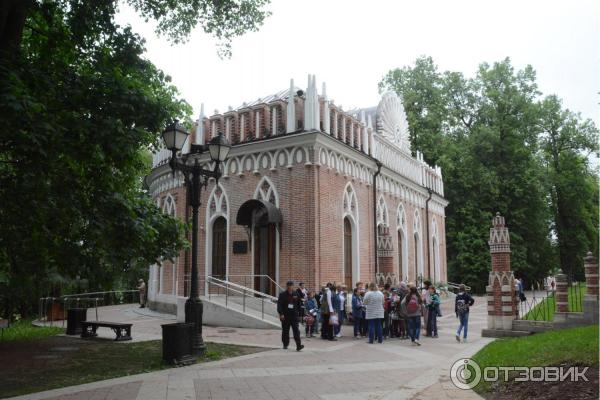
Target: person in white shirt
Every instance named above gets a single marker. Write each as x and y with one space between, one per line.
326 312
341 312
374 312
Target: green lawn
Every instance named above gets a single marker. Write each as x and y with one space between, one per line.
567 346
60 361
544 311
24 330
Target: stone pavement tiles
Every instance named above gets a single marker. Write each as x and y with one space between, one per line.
347 369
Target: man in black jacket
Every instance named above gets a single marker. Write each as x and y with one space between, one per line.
288 307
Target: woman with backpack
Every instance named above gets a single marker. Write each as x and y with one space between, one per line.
374 312
413 305
461 307
402 293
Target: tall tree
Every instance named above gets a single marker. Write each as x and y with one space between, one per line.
566 143
483 132
81 107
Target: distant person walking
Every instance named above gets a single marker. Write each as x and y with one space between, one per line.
461 306
374 312
288 307
142 288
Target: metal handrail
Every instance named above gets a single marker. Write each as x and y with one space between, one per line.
255 276
69 300
456 285
245 289
96 293
245 292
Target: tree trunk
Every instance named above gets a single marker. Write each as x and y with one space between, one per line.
12 21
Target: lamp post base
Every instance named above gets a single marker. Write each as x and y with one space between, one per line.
193 315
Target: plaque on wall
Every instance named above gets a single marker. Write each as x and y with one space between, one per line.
240 246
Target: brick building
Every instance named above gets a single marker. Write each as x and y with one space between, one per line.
296 199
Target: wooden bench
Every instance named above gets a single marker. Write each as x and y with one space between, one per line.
123 331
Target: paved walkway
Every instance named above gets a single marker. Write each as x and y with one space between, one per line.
347 369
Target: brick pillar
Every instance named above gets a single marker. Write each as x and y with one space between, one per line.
591 274
501 297
590 300
562 293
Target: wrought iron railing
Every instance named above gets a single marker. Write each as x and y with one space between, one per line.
540 305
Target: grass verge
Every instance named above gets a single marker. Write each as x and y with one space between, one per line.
23 330
61 361
574 346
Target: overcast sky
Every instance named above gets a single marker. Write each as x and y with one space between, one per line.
351 44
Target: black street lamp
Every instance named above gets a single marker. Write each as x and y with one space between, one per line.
195 176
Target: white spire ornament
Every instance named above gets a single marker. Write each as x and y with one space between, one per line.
291 110
200 126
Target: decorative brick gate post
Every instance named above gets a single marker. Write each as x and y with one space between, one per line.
590 300
562 293
501 296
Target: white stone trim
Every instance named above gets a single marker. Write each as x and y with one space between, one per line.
221 210
402 230
350 211
418 236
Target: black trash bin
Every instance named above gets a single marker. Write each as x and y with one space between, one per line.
177 343
74 318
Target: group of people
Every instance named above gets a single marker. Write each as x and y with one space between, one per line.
377 313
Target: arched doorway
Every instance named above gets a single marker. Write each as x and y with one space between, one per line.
348 253
262 220
265 240
219 248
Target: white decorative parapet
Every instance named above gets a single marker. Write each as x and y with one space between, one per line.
400 161
160 157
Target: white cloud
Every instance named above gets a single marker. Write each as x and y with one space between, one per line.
352 44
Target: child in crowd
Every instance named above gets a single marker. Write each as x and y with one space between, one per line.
310 315
433 310
403 322
395 314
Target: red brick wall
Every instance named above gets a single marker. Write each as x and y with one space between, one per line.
311 248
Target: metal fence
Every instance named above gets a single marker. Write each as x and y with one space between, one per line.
540 304
54 309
